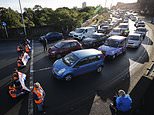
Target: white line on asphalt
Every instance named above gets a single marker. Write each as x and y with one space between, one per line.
42 69
30 99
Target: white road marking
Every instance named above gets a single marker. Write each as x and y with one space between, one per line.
42 69
30 99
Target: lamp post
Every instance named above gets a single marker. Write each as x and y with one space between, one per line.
105 3
22 17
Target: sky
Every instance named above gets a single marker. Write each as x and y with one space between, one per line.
14 4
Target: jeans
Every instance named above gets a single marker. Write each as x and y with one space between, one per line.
40 107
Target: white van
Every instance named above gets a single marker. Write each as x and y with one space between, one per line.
81 33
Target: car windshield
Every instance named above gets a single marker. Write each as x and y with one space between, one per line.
123 26
111 43
141 30
70 59
79 30
104 28
133 38
59 44
48 33
116 30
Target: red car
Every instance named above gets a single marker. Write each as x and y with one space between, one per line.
63 47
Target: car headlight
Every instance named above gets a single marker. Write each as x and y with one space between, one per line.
61 71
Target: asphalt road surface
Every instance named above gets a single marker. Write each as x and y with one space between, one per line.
74 97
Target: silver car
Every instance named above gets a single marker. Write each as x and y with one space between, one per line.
134 40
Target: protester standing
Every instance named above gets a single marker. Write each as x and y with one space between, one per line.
39 95
44 42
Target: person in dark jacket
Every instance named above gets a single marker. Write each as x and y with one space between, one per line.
44 43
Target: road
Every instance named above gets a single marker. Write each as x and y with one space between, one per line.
74 97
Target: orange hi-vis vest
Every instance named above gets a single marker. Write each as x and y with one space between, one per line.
27 49
39 92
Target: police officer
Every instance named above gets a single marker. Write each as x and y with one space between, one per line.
121 104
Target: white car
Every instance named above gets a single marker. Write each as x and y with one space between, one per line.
81 33
115 31
134 40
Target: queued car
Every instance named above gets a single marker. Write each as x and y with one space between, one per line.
124 28
63 47
134 40
77 63
140 24
95 40
83 32
142 31
52 36
115 31
104 29
114 46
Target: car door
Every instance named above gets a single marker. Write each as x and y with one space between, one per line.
122 47
73 46
65 49
93 63
81 67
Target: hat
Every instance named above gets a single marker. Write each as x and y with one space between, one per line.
121 93
37 84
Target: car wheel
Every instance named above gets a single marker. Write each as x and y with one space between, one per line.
99 69
68 77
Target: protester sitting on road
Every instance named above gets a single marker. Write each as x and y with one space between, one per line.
39 94
121 104
17 86
20 63
27 48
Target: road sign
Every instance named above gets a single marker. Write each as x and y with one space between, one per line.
4 24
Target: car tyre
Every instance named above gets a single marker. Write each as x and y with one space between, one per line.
99 69
68 77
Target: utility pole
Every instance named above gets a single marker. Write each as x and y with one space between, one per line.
22 17
105 3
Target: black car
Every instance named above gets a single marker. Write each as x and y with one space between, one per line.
104 29
95 40
52 36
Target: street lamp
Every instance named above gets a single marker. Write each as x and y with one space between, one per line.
22 17
105 3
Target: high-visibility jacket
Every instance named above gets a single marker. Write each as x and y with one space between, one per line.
19 63
27 48
40 94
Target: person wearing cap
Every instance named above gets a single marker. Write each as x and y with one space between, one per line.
38 95
121 104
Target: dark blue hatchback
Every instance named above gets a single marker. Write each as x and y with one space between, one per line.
52 36
77 63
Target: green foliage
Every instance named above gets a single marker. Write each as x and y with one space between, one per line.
62 19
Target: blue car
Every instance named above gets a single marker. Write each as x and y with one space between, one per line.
52 36
77 63
114 46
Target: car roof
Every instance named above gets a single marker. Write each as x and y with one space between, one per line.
85 27
116 28
123 23
68 41
98 33
117 38
86 53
